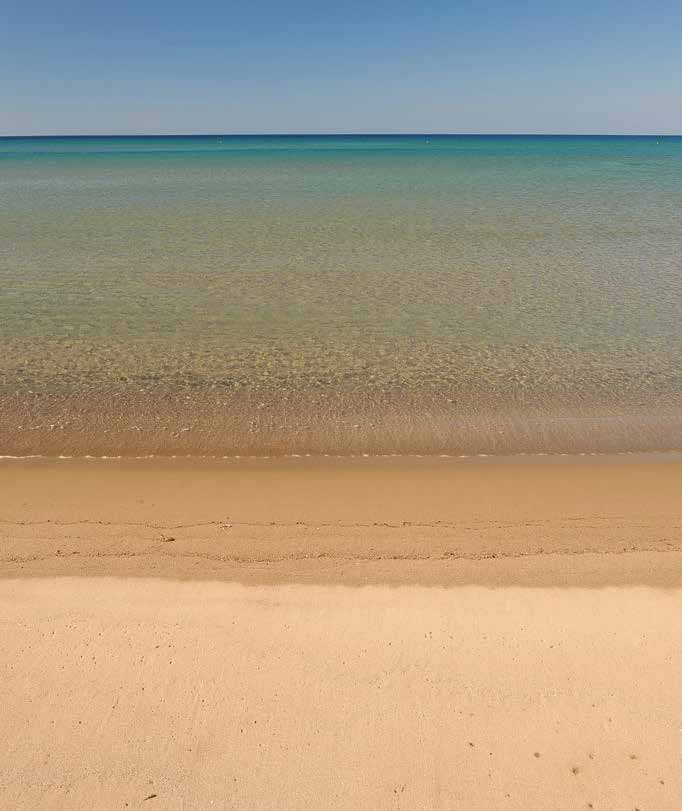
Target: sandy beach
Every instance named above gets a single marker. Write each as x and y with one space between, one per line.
341 407
408 633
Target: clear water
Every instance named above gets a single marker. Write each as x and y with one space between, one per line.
341 294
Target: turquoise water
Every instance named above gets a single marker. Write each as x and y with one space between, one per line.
341 294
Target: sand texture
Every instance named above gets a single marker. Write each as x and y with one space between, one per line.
417 634
202 695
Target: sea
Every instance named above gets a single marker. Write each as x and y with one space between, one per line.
342 295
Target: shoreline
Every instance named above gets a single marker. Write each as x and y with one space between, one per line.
210 422
665 453
534 521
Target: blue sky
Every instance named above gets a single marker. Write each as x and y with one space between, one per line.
265 66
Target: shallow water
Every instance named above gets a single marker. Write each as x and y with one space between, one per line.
377 294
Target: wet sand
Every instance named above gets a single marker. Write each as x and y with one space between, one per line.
533 521
191 635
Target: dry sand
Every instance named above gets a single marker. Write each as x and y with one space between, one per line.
226 696
515 644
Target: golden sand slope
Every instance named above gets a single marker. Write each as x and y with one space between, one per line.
292 688
211 695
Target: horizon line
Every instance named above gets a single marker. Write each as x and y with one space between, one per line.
376 134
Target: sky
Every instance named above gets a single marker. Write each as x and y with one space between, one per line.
263 66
